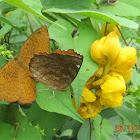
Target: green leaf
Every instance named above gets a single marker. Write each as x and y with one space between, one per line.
2 61
5 29
46 120
108 17
138 91
67 132
82 45
3 112
4 102
73 125
116 120
97 126
108 113
6 132
71 4
32 6
27 132
84 131
129 33
138 108
106 130
112 116
123 136
135 78
130 116
123 8
12 22
20 115
61 103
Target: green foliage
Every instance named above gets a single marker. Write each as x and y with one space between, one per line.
56 104
123 8
51 118
98 15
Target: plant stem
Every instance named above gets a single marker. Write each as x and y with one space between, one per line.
122 35
16 123
16 128
13 114
105 29
90 128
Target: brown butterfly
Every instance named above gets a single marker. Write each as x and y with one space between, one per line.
57 69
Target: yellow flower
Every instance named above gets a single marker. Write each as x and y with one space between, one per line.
112 100
89 110
107 48
111 90
125 60
128 76
114 84
111 47
96 51
110 27
88 95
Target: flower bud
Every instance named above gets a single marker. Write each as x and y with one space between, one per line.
107 48
125 60
88 95
109 27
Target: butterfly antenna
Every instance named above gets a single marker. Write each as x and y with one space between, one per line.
42 90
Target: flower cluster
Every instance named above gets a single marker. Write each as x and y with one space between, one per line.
106 87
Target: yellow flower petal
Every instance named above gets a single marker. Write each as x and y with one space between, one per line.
111 92
125 60
128 76
96 53
88 95
115 84
110 27
117 101
106 48
111 47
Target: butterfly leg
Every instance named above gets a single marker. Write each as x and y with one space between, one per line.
51 96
